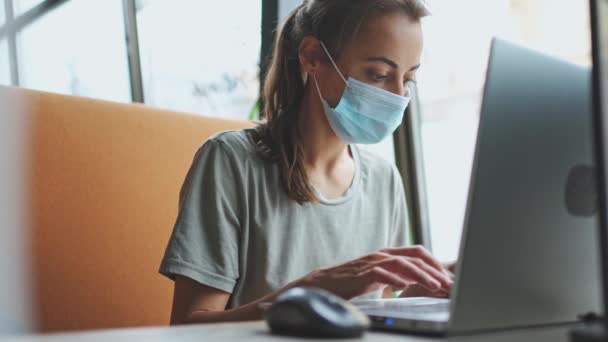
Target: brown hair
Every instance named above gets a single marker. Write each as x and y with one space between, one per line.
335 22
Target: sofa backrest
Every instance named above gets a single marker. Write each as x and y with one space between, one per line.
104 180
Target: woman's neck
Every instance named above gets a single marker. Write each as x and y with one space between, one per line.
323 149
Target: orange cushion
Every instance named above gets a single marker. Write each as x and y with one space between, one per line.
103 191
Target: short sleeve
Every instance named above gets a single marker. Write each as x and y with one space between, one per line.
401 224
204 245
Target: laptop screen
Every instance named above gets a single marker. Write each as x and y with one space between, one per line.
602 52
599 25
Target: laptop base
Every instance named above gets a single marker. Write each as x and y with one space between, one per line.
590 332
409 326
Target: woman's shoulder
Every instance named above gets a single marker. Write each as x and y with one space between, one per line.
236 142
237 147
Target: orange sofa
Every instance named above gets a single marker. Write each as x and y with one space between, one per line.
103 192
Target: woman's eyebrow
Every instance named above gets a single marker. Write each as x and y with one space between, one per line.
384 60
389 62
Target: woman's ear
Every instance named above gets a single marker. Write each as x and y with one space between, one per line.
309 54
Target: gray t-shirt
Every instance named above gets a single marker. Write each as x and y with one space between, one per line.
237 230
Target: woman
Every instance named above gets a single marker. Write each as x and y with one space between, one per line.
269 208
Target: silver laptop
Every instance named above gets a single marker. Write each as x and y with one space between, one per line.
529 251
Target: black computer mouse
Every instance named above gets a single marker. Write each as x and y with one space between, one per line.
313 312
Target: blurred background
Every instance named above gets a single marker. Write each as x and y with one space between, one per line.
206 57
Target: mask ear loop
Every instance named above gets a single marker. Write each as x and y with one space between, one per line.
332 62
314 77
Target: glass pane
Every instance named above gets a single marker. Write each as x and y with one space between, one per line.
77 49
2 16
22 6
5 74
451 81
201 58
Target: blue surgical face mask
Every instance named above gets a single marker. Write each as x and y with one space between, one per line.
365 114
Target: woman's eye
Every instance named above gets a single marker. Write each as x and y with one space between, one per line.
377 77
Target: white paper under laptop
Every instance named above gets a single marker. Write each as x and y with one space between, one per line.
436 309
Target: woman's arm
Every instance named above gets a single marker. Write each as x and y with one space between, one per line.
396 267
197 303
189 295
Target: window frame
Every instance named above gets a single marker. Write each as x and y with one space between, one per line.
13 25
409 158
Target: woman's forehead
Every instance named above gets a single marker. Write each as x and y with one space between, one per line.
395 37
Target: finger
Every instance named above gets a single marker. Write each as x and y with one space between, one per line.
380 275
420 252
445 280
417 290
451 266
449 273
416 251
408 271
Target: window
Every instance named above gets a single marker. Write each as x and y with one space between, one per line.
79 49
201 58
5 74
22 6
2 15
450 86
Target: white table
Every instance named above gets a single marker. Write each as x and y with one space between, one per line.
258 331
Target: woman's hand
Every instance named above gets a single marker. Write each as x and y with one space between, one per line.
418 290
395 267
451 266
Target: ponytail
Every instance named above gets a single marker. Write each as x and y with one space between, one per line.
278 139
